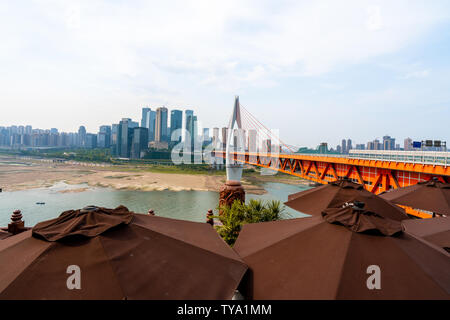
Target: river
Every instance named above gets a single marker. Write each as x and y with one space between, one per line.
186 205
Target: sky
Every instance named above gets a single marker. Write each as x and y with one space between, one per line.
317 71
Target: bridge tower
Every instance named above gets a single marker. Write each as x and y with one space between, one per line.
235 143
232 189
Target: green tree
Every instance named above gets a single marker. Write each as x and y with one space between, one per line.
233 218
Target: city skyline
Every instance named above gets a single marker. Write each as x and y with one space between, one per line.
363 66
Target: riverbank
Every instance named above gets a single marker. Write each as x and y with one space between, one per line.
23 174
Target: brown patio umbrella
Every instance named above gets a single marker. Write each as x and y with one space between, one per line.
432 195
118 255
314 201
349 253
436 230
4 234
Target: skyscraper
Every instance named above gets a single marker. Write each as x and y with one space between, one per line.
252 140
195 130
144 119
104 137
140 142
408 144
189 124
189 127
91 141
81 136
344 146
150 125
224 137
114 137
349 145
124 138
388 143
176 122
161 125
216 138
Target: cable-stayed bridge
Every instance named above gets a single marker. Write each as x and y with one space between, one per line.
251 142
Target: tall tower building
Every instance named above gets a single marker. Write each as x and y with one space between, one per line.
104 137
176 122
388 143
408 144
224 137
349 145
195 134
161 125
140 142
150 125
144 119
189 127
216 138
81 136
344 146
124 137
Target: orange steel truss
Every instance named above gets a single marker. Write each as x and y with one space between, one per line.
376 176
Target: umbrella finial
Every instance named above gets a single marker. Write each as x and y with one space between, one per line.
17 225
209 218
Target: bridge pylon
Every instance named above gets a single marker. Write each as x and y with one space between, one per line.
232 189
235 143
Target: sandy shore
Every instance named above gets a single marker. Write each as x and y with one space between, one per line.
28 174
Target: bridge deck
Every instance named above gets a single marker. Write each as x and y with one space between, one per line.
376 175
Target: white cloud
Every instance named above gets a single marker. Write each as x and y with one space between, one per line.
417 74
171 50
374 20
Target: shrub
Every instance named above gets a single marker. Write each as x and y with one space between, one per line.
234 217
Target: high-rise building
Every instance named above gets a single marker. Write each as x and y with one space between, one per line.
161 125
149 121
81 136
139 143
323 148
91 141
252 143
407 145
224 137
344 146
150 125
114 136
388 143
104 137
349 145
216 138
267 146
124 138
195 135
176 122
28 129
189 125
144 119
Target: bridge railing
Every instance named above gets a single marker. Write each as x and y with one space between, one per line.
420 157
416 157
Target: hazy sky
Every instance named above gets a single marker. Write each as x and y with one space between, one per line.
315 70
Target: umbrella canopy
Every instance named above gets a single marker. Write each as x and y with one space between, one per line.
335 194
349 253
435 230
4 234
117 254
432 195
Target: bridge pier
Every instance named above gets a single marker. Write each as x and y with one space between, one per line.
230 191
